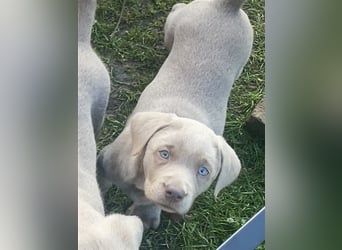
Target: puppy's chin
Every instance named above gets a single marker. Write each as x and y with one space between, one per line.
175 207
154 191
166 209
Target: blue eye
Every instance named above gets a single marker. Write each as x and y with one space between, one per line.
203 171
164 154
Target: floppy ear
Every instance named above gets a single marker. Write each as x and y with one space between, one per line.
230 166
144 125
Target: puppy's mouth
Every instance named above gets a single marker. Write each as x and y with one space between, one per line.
166 208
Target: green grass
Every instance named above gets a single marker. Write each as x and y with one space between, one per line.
133 51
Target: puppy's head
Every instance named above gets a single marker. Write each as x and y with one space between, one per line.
181 158
114 231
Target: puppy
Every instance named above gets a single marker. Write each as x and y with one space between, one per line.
95 231
172 148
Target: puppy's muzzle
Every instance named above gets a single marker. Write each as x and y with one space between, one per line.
174 194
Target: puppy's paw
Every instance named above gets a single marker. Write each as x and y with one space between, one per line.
149 214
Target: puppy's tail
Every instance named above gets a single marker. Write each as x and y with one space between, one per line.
233 5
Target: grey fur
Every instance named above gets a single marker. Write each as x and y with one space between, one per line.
231 4
210 42
209 49
95 230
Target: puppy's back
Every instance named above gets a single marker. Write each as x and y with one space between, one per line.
210 42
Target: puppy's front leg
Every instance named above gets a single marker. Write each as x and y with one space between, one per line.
146 210
148 213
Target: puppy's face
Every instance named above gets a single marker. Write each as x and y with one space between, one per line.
180 158
180 162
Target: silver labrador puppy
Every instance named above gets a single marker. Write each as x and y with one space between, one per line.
172 148
95 231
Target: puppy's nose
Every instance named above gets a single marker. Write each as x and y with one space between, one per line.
174 194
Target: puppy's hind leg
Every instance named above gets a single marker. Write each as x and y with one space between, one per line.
98 110
170 24
104 183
